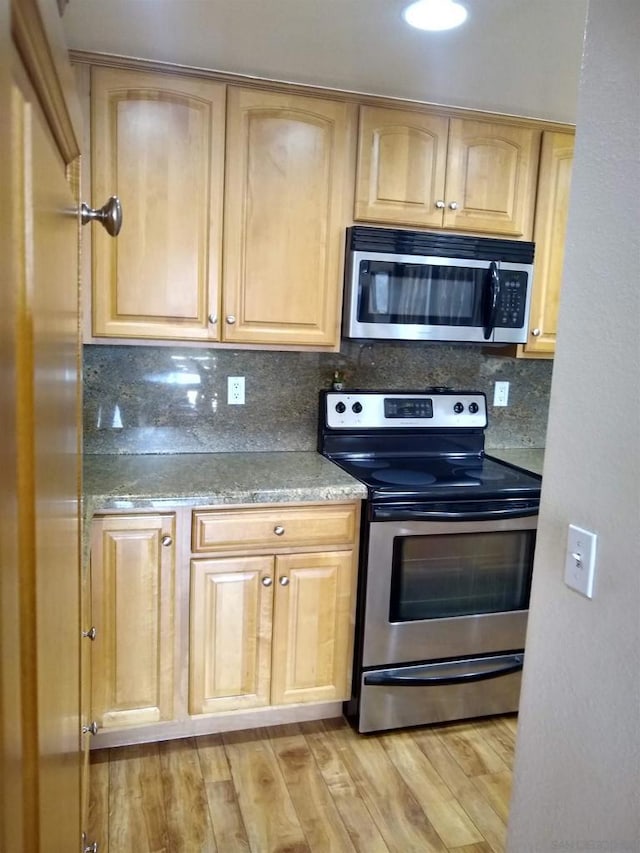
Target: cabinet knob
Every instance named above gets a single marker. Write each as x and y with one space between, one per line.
90 634
440 204
267 581
92 728
212 319
109 215
453 205
284 581
536 332
87 846
230 319
279 531
166 540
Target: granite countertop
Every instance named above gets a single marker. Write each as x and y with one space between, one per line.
119 481
529 458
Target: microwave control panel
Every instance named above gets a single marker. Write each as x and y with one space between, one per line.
512 300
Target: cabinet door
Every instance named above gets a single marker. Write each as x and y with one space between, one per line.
491 177
402 157
287 201
157 141
230 642
313 627
132 586
549 235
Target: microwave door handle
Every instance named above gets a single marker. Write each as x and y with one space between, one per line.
388 679
492 285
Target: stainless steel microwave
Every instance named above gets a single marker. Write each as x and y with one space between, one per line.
420 286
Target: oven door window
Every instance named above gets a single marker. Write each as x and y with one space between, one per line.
446 575
421 294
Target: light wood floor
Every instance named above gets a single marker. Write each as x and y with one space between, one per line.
310 787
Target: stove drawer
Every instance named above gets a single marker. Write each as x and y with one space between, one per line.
274 528
439 692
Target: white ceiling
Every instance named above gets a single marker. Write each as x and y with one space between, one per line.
512 56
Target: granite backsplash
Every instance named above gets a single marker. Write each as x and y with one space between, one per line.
145 399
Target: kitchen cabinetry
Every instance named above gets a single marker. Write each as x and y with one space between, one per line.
274 628
287 201
256 601
158 141
429 170
552 209
132 583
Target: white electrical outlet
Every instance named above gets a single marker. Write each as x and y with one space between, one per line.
501 394
235 390
580 562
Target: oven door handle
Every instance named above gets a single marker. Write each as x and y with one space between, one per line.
382 514
387 679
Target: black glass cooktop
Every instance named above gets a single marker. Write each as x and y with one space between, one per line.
441 476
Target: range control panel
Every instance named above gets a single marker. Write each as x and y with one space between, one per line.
375 410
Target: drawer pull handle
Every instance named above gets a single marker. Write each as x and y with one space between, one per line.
92 729
279 531
266 581
166 541
284 581
91 633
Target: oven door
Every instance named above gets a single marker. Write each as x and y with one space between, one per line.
438 590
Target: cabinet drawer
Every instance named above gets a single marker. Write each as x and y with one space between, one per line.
288 527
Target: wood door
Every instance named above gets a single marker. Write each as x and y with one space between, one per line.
402 157
132 587
230 642
44 373
549 234
288 198
491 177
313 627
157 142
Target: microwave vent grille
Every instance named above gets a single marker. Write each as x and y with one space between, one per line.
394 241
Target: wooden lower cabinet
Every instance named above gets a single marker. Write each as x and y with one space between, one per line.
230 636
312 628
270 630
262 622
132 590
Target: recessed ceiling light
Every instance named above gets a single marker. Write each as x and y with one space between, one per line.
435 14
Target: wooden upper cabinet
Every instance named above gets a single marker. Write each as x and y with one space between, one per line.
402 157
491 177
549 234
423 169
288 197
157 142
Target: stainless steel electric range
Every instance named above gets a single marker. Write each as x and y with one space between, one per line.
447 549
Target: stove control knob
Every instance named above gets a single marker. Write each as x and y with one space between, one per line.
357 408
340 408
458 408
473 408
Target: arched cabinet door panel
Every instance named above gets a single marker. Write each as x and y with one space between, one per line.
288 196
157 142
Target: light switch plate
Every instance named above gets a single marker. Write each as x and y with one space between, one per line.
580 561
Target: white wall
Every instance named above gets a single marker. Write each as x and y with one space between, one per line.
577 774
